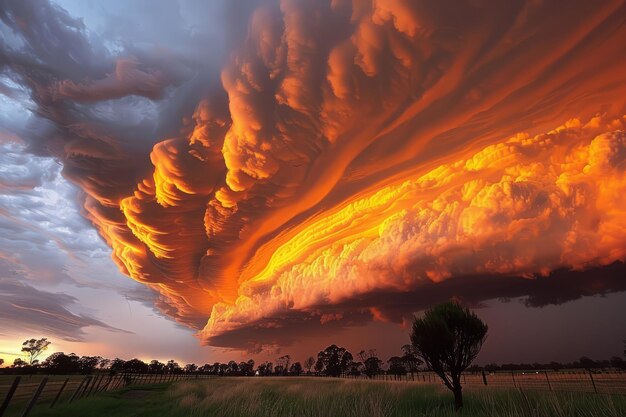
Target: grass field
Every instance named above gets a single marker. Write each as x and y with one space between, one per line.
302 397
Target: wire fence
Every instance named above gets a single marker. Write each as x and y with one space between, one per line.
20 394
598 382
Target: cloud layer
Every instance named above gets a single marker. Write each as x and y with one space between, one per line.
325 157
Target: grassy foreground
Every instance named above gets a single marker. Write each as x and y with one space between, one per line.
302 397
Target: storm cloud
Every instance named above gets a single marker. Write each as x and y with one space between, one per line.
320 162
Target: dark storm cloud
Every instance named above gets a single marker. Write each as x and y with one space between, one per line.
274 165
560 286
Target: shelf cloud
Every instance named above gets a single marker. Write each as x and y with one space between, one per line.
330 163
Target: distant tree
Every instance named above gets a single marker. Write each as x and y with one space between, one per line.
172 367
246 368
265 369
587 363
308 364
355 368
295 368
492 367
19 363
555 366
448 338
190 368
365 354
34 347
372 366
156 367
60 363
411 361
396 366
135 366
233 368
88 364
334 360
319 366
1 361
117 365
282 365
250 367
223 369
618 363
104 363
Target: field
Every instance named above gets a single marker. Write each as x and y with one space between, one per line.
318 397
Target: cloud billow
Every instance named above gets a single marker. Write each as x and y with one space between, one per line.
332 156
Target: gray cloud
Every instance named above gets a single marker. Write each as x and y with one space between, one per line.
25 308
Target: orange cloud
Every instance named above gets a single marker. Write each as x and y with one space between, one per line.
359 148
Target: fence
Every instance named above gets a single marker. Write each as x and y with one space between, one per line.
19 394
608 382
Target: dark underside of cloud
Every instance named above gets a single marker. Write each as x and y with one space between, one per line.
560 286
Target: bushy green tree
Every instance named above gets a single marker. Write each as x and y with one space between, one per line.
448 338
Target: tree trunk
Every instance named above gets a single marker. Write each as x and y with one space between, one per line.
458 396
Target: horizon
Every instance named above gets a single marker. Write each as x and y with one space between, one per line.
221 181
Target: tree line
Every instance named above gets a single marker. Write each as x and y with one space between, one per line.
445 340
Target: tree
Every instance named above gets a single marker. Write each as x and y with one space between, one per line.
233 368
334 361
282 365
265 369
396 366
618 363
448 338
355 368
88 363
372 366
60 363
1 361
172 367
135 366
587 363
34 347
116 366
19 363
411 361
190 368
295 369
319 366
156 367
308 364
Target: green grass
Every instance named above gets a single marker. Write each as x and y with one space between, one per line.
317 397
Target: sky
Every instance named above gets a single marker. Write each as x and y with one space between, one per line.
221 180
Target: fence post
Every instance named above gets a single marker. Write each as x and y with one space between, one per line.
77 389
89 379
36 395
548 379
595 389
59 393
484 378
7 399
106 384
96 382
513 376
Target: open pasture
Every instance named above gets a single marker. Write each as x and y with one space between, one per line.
320 397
